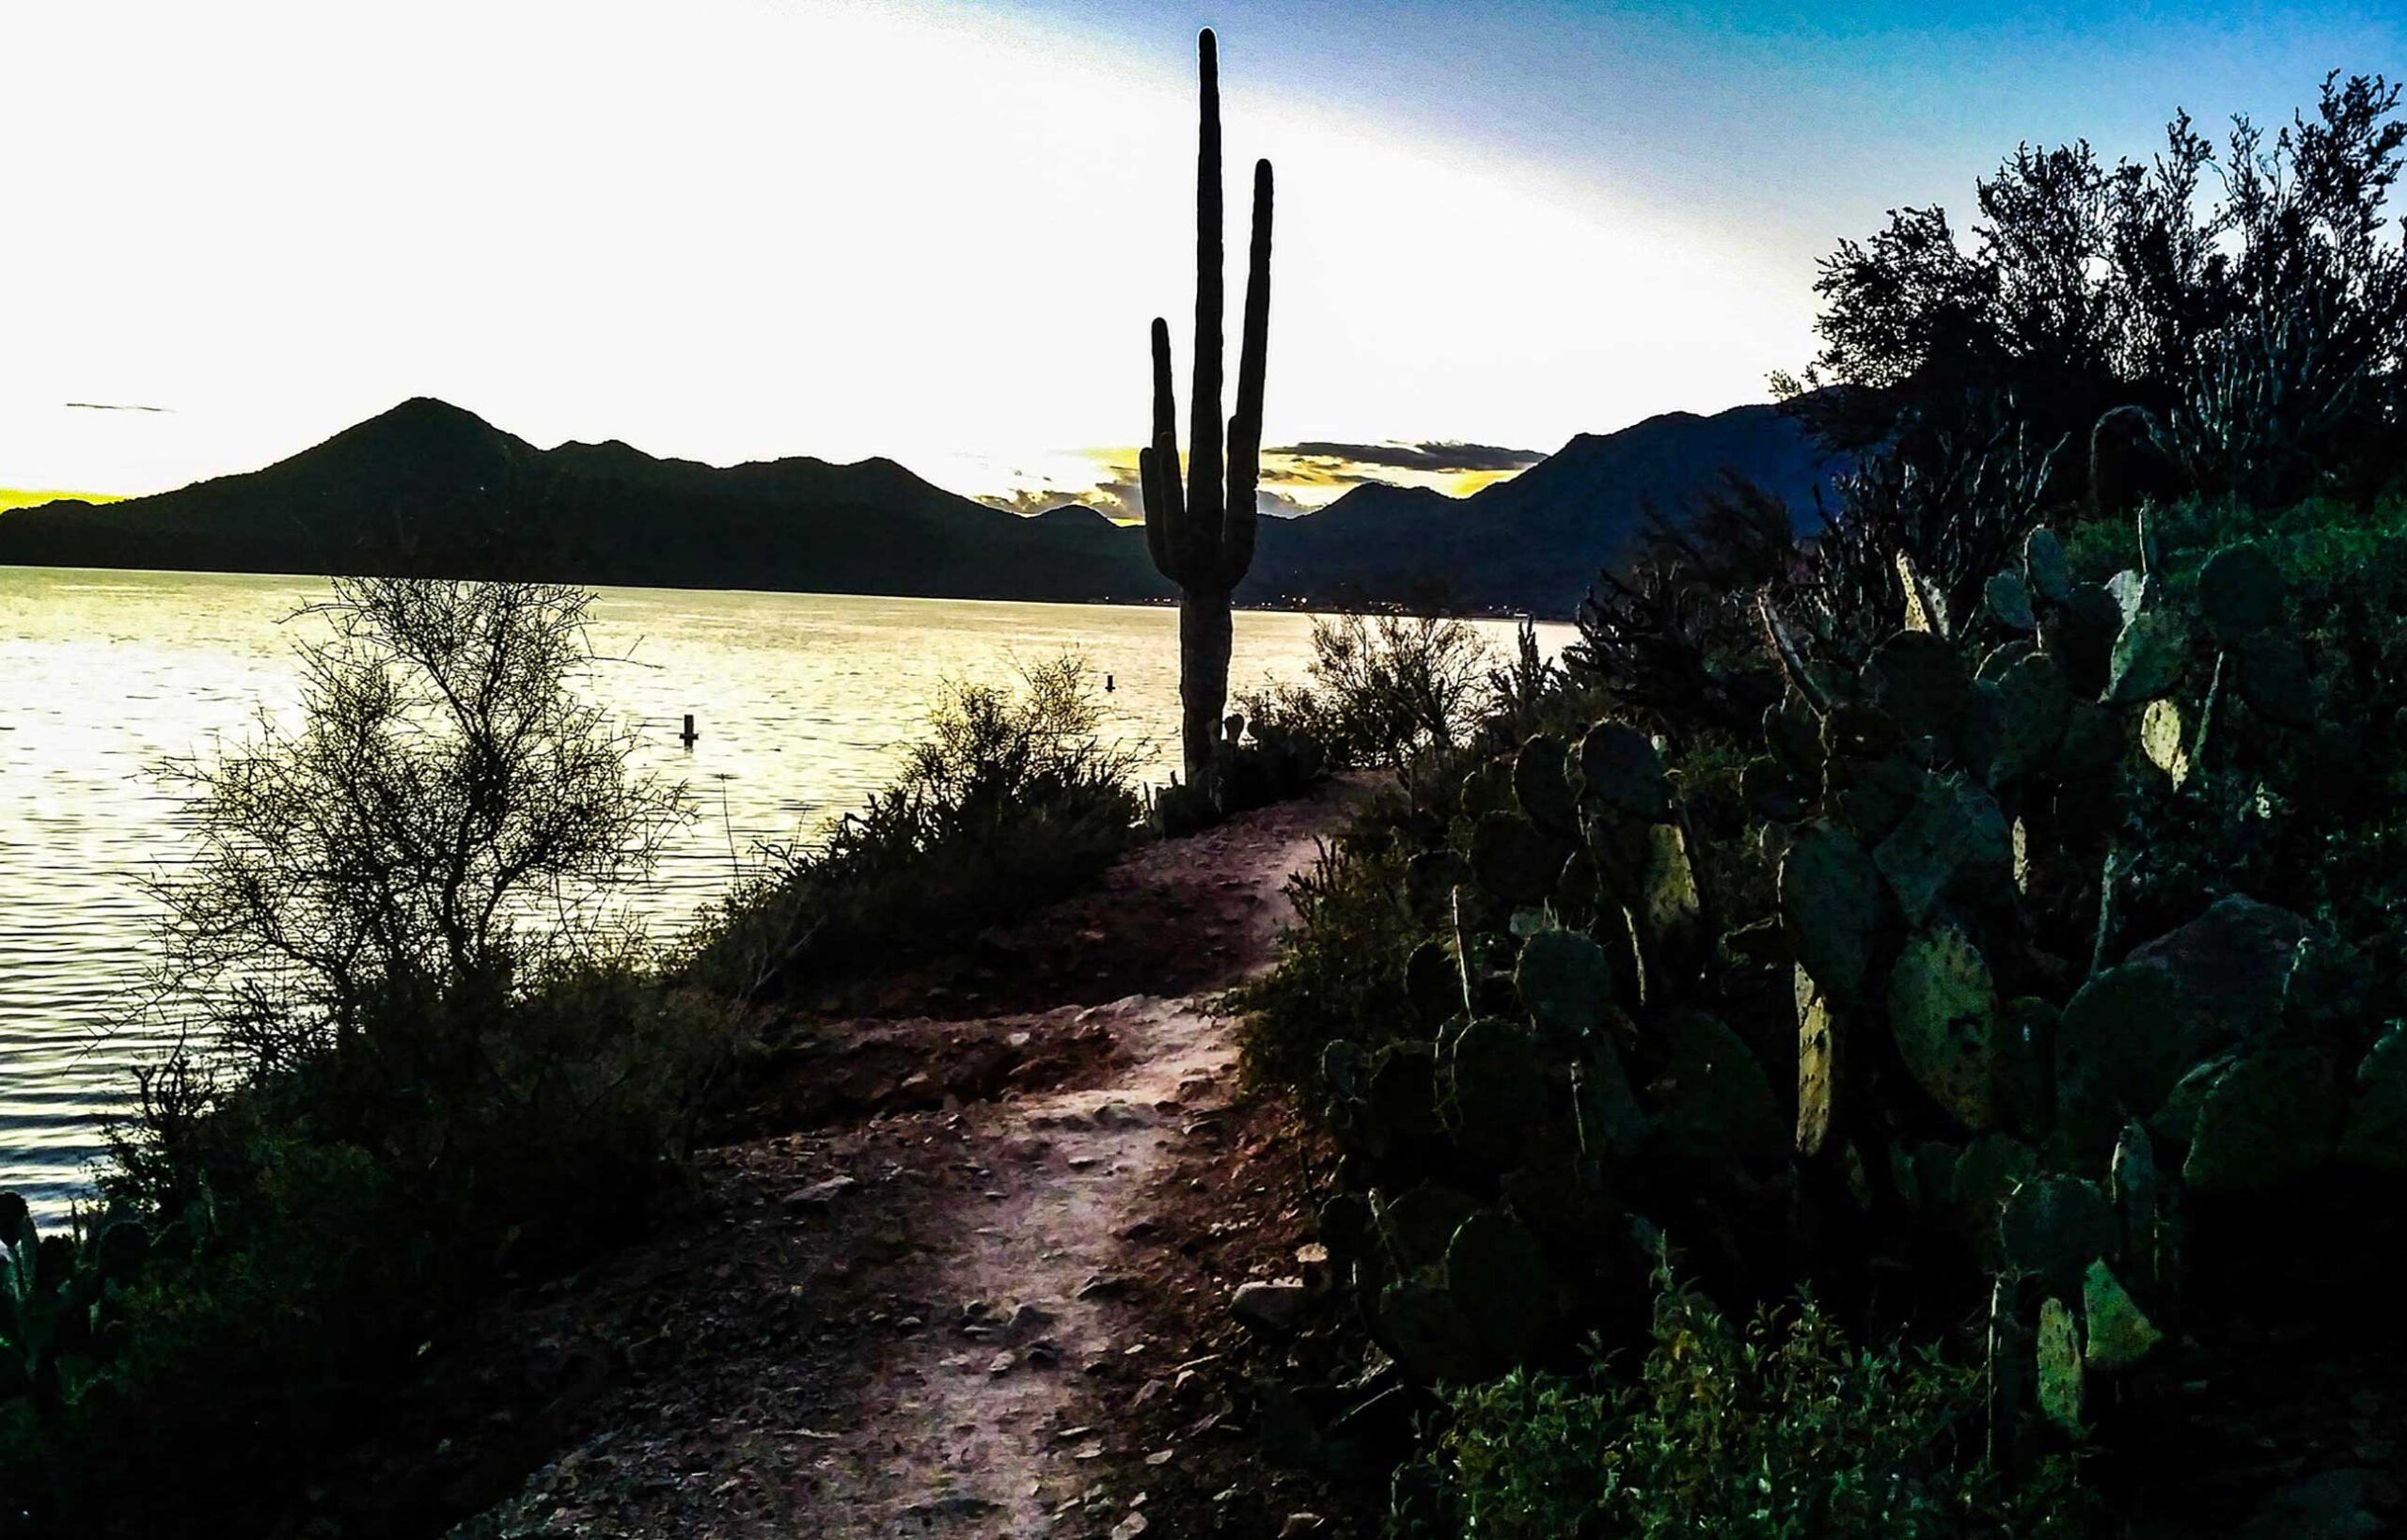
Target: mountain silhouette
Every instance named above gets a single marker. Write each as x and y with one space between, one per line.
429 489
1533 543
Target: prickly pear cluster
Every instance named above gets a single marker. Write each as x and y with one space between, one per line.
1929 1034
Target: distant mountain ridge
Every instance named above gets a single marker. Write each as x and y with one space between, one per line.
429 489
1535 543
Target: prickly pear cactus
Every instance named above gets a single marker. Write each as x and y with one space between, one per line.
1566 983
2054 1226
2124 1042
2045 567
1952 839
1942 1012
2033 707
2375 1131
2148 657
2241 591
1513 859
1495 1091
2266 1121
1621 772
1818 1067
2164 740
2057 1348
1833 905
1542 786
1499 1280
2009 601
2121 1333
1714 1098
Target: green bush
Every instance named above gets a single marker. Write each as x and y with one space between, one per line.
431 1064
1777 1429
1381 688
1011 800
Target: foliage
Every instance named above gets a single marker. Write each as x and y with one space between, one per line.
2250 293
1382 689
1775 1427
1999 979
1011 799
432 1064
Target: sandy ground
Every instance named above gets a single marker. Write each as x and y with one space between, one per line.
913 1323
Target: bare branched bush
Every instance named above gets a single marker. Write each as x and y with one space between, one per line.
402 927
1381 688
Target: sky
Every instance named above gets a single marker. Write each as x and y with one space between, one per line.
735 229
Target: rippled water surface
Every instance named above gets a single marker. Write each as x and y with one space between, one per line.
802 701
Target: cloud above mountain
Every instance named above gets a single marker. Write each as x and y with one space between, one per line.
1436 457
1296 479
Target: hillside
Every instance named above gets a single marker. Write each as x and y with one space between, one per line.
1533 543
428 488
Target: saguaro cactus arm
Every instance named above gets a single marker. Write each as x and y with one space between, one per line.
1244 428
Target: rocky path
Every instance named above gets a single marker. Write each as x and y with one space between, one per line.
903 1327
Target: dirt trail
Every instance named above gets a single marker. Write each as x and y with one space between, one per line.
902 1329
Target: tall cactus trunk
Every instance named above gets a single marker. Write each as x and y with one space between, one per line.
1199 525
1205 633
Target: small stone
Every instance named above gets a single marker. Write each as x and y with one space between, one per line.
1129 1527
1271 1304
818 1196
1002 1364
1299 1525
1147 1391
1159 1456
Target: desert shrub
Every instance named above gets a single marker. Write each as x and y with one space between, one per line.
1011 799
427 1061
1381 688
1777 1426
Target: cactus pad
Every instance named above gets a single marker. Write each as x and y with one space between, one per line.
1418 1319
1498 1281
2241 591
1952 839
2035 705
1621 772
2275 680
2149 655
1818 1067
2266 1121
1513 859
2057 1348
1496 1092
2375 1132
2044 567
1713 1095
1565 981
2162 739
1542 786
2054 1227
2124 1041
1432 982
2121 1333
1833 905
2009 601
1942 1011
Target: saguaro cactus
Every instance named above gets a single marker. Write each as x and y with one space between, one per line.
1201 529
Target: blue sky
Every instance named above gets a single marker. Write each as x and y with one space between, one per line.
732 230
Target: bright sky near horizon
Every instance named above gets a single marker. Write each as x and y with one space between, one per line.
732 229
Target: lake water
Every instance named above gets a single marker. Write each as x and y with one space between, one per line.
802 702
